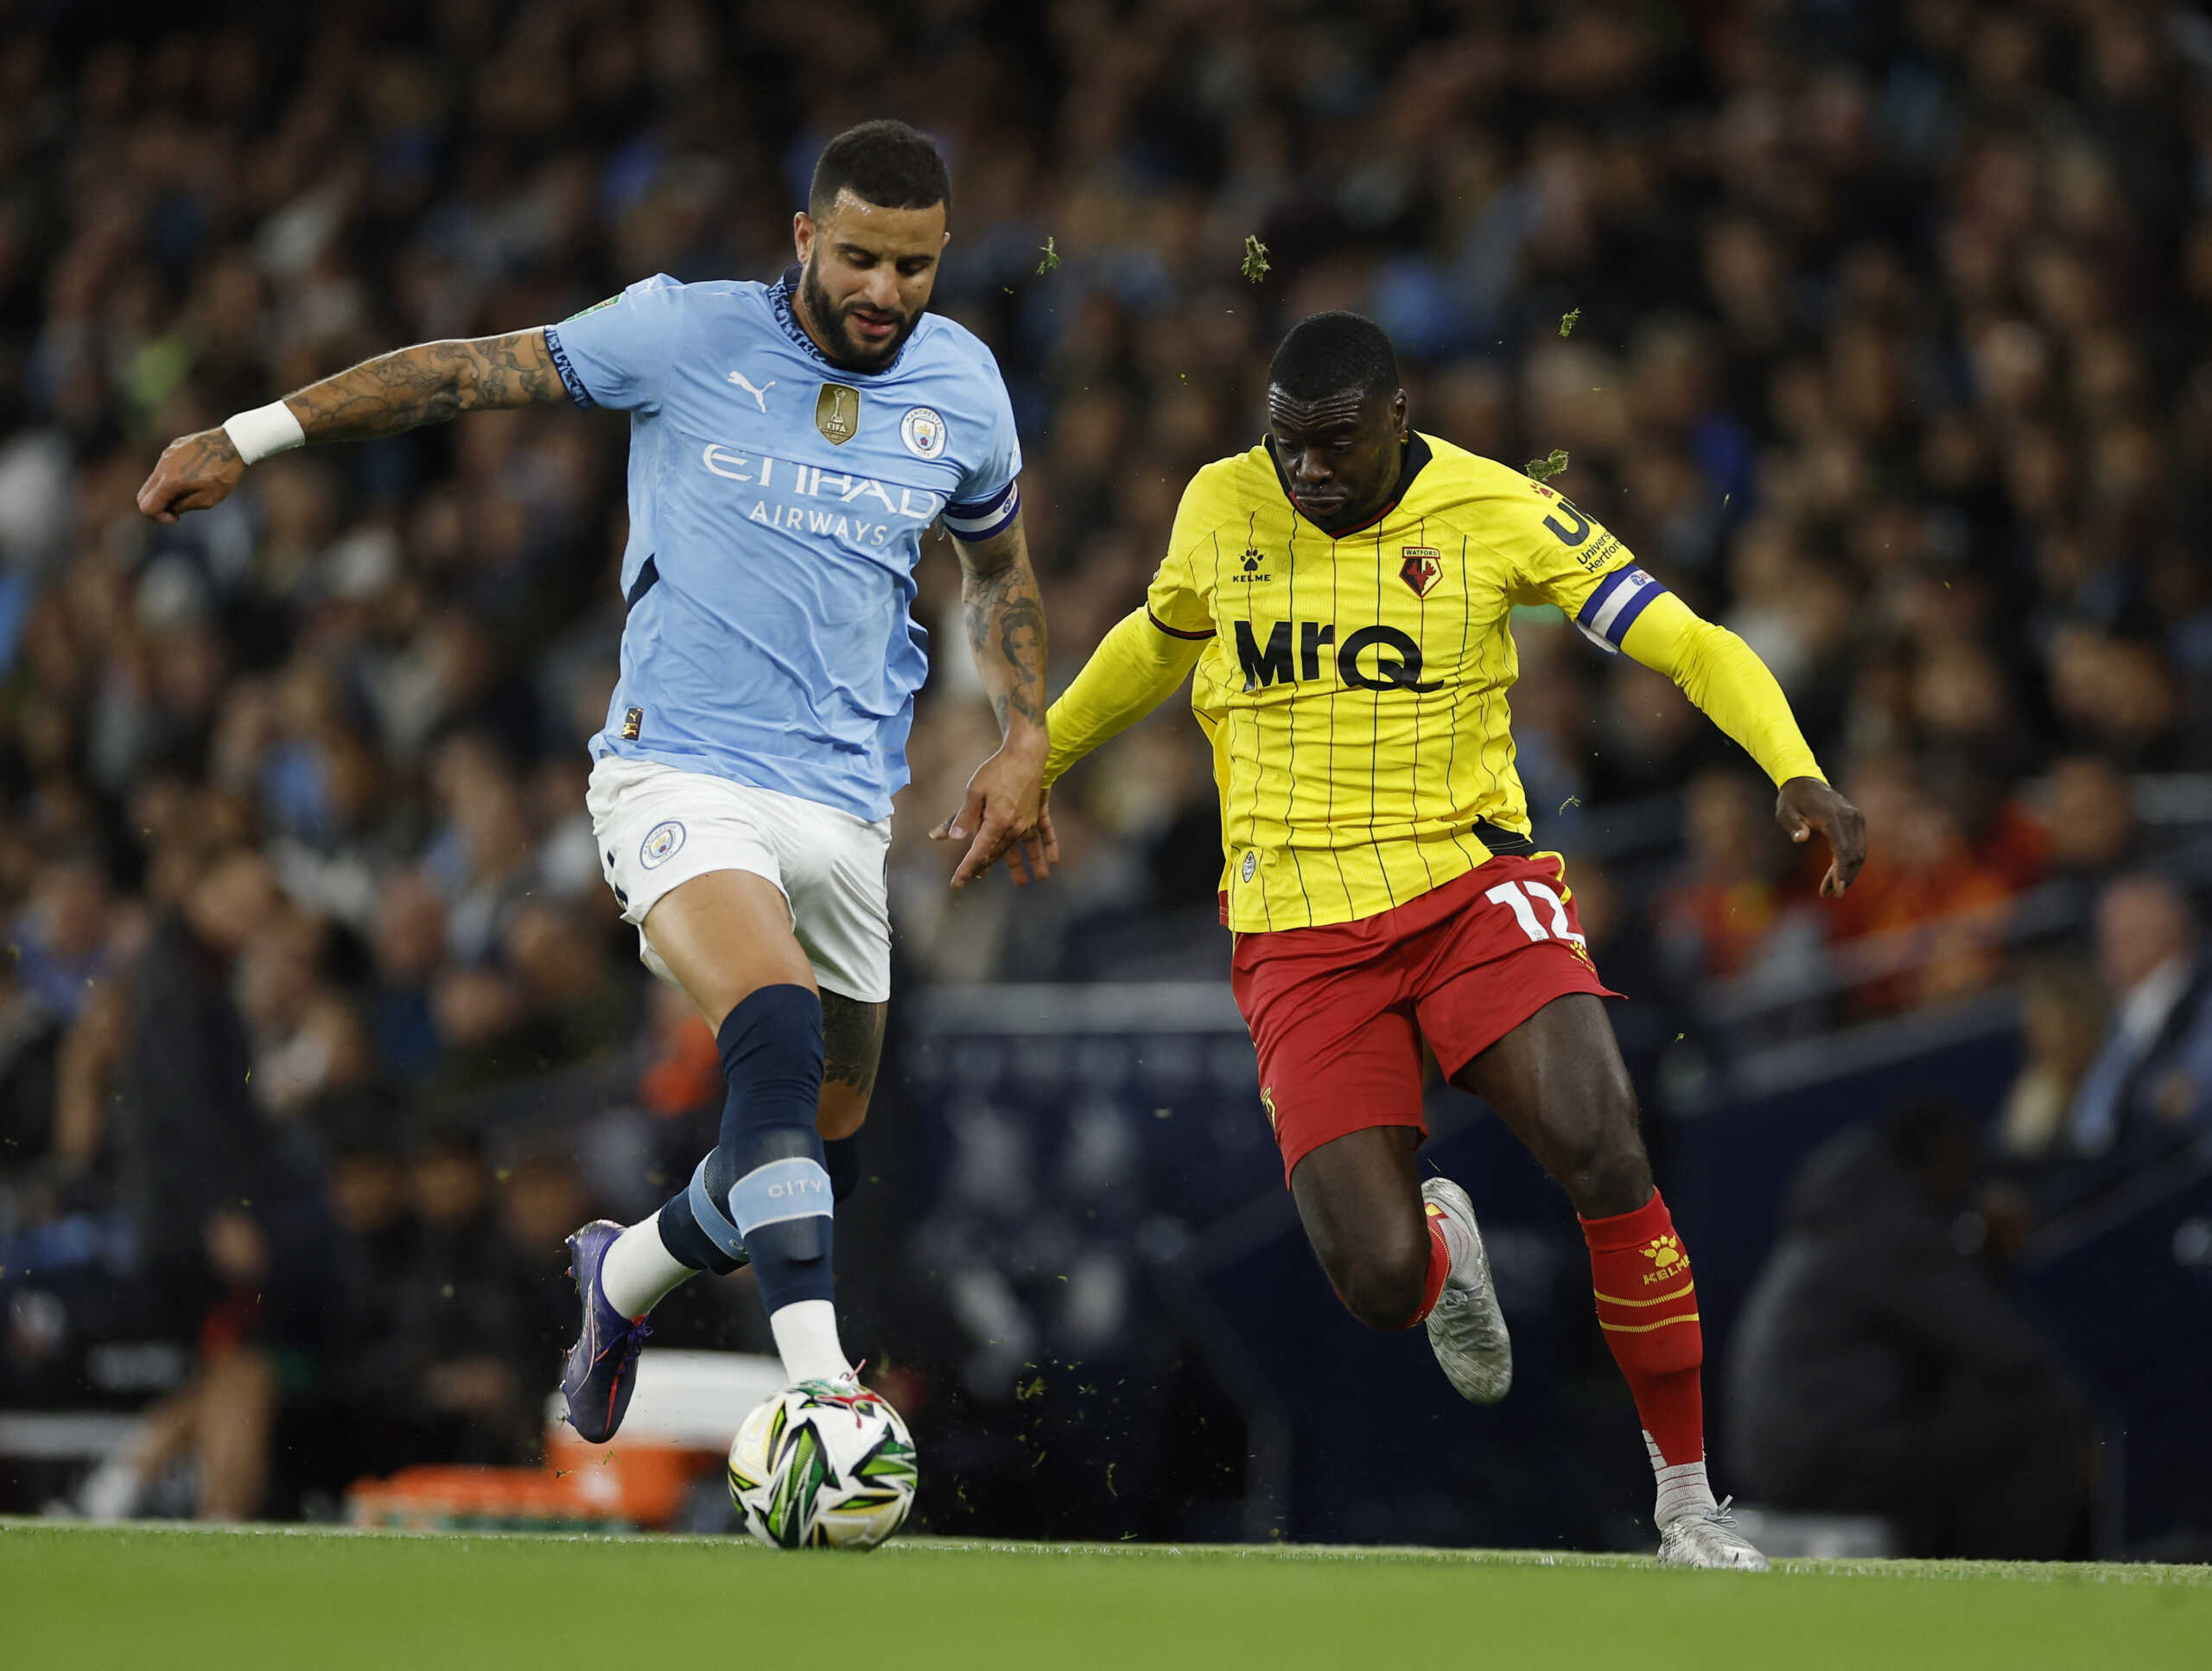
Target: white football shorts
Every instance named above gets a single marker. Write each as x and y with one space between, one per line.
658 826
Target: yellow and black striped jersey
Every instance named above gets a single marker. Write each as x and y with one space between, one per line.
1353 685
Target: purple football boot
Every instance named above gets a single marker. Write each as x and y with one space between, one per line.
601 1370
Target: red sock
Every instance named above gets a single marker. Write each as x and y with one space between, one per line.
1440 1266
1647 1304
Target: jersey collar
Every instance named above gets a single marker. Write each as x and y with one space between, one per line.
1415 460
779 297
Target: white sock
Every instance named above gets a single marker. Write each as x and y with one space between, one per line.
806 1339
639 1272
1683 1488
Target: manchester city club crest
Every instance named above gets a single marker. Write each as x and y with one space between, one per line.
923 431
1423 568
660 844
837 413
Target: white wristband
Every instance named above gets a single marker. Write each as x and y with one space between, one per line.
265 429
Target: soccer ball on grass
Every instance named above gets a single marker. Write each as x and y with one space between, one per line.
823 1464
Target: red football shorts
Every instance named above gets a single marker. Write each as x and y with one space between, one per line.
1340 1013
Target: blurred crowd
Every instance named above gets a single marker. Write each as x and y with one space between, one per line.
1877 330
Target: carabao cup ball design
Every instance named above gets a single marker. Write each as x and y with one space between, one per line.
823 1465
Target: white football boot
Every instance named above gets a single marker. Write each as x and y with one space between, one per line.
1708 1537
1466 1330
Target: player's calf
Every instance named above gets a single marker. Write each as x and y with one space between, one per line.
841 1157
1558 1080
764 1197
764 1194
1589 1143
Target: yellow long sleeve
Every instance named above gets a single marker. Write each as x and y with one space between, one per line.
1720 672
1136 667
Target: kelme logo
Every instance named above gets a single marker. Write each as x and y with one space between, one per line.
1667 1257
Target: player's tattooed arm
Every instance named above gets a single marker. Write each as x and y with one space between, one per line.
429 383
1006 627
1003 812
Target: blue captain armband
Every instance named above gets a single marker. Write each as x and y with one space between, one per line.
570 380
1609 612
985 517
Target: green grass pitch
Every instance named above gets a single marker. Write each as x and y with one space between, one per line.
150 1597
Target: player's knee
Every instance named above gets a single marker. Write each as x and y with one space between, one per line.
771 1049
1383 1283
1604 1166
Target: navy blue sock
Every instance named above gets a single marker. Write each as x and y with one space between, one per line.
841 1156
681 1234
764 1181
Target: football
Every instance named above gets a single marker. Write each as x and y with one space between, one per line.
823 1465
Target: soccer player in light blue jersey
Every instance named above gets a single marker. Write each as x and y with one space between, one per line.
790 444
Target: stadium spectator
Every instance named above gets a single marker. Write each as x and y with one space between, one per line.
455 1329
1878 1370
1927 919
2150 1087
2062 1017
1727 915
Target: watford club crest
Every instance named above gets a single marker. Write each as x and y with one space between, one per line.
837 413
1423 568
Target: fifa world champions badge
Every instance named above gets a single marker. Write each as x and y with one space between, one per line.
837 413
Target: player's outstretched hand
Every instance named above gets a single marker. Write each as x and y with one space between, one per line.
1807 804
193 473
1003 808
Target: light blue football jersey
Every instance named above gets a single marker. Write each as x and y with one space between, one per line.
777 506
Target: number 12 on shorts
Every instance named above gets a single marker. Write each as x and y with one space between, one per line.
1522 898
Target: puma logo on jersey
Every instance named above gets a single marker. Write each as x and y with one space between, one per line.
1396 664
760 395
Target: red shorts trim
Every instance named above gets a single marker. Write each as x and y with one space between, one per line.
1338 1014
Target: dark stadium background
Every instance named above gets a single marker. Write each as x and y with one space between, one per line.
1890 348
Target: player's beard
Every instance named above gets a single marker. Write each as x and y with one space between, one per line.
843 350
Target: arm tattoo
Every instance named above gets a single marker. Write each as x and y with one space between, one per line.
431 382
209 451
1005 626
852 1042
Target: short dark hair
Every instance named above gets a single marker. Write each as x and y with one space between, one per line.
1328 353
887 164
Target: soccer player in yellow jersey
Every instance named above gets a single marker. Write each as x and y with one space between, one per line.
1342 594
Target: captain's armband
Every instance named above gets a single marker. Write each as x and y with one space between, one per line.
1608 613
985 517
